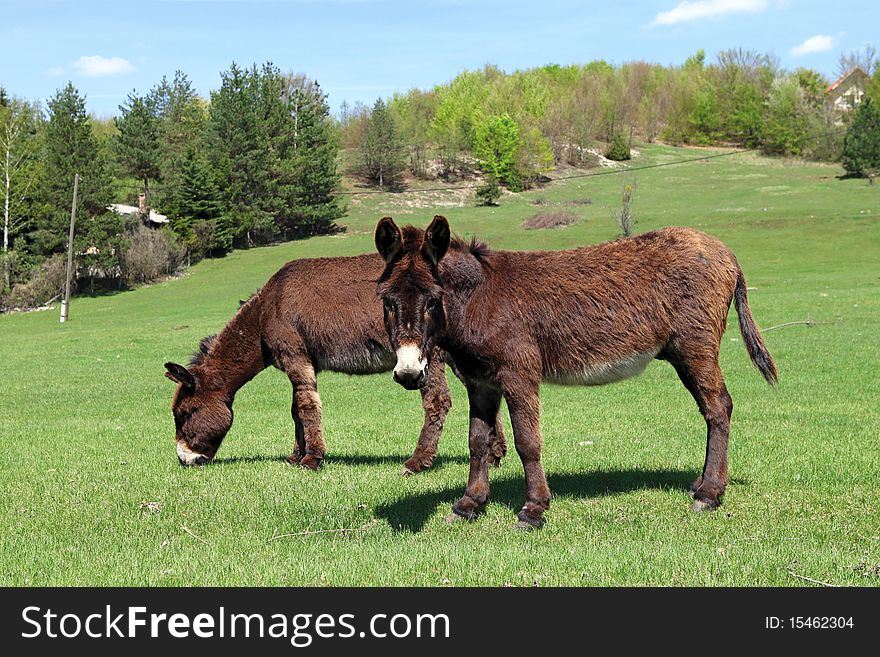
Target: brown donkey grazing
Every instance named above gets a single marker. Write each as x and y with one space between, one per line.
588 316
312 315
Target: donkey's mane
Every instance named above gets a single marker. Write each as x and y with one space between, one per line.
207 343
412 239
204 348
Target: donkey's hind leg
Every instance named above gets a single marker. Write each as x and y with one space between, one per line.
700 373
498 448
306 412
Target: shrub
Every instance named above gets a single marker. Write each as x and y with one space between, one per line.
149 254
204 240
46 282
861 146
489 192
550 220
625 218
618 150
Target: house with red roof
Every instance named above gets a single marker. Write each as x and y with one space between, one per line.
848 91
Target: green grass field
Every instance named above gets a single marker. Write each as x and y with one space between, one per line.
87 433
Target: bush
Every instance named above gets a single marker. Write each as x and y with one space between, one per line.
489 192
618 150
626 220
861 146
149 254
204 240
550 220
44 285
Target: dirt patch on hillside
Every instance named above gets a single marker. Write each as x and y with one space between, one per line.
544 220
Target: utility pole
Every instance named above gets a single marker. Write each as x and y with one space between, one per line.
65 302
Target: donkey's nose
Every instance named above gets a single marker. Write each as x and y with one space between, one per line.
411 379
188 457
411 370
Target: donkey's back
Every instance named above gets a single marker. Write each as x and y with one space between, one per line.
330 304
601 313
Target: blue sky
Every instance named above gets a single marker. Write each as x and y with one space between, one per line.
362 49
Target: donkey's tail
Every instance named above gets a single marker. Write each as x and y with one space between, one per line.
752 334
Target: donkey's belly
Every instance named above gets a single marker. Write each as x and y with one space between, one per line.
370 359
601 373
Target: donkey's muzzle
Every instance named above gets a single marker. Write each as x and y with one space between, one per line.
188 457
411 370
412 380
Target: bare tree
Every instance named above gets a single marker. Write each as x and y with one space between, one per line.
865 59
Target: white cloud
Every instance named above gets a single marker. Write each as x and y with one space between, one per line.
687 11
818 43
56 70
95 65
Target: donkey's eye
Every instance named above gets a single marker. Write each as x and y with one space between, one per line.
389 307
432 305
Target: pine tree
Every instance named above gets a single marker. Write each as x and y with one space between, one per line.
241 155
137 146
20 173
861 146
382 151
274 147
72 148
313 208
183 124
199 220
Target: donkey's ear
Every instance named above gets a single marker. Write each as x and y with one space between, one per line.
179 374
436 241
388 239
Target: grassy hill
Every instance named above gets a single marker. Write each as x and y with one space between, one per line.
87 432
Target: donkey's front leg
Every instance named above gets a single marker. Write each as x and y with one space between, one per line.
436 402
525 414
484 402
306 410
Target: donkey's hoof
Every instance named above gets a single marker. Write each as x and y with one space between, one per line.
310 463
522 526
454 518
528 522
461 514
294 459
417 463
701 505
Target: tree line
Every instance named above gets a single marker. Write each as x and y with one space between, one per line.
254 163
515 127
259 160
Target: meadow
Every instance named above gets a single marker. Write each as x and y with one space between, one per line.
91 492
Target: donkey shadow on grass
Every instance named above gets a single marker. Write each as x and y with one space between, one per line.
411 512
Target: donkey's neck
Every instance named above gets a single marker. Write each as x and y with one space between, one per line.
462 275
235 355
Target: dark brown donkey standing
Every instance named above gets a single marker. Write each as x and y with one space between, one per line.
587 316
312 315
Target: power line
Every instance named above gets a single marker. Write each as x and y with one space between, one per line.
589 174
373 192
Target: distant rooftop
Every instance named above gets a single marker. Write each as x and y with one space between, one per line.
844 77
123 209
